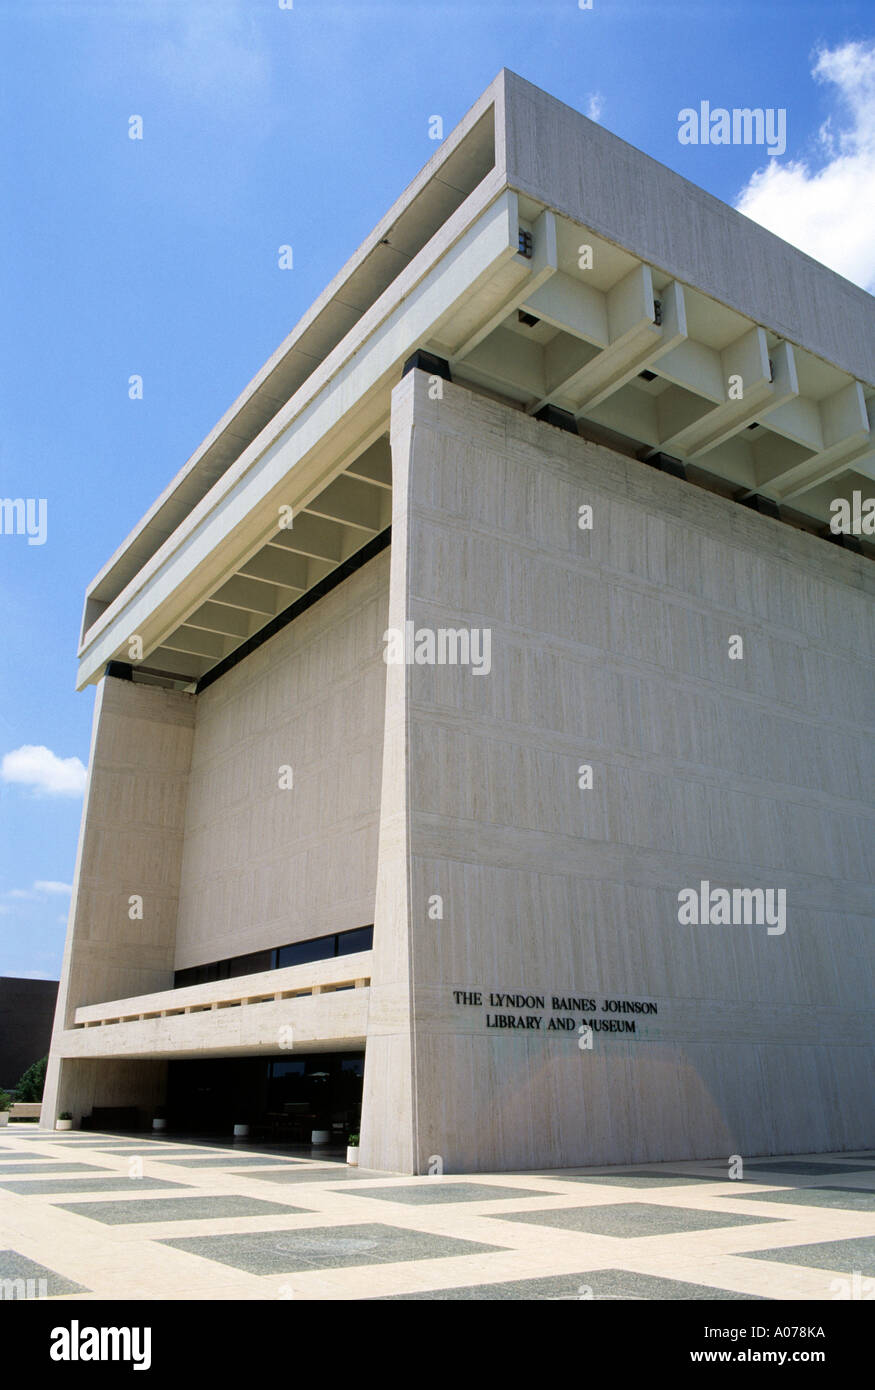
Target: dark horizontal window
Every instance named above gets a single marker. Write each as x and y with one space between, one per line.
345 943
348 942
302 952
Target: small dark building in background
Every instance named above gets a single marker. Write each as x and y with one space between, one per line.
27 1011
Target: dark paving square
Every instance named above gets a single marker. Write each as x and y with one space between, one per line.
846 1256
599 1283
65 1145
629 1220
14 1266
326 1247
48 1136
98 1137
813 1170
844 1198
31 1157
145 1141
437 1191
317 1160
180 1209
232 1161
41 1137
37 1167
133 1147
143 1151
165 1151
40 1187
59 1145
266 1156
643 1179
304 1175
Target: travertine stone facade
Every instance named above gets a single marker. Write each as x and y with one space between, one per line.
610 647
130 847
185 809
264 865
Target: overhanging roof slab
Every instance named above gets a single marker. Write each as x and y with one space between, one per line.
680 277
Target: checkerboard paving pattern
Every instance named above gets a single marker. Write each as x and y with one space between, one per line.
207 1222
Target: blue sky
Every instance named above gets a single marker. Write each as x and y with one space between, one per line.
265 126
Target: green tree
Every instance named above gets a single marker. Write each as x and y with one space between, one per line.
30 1087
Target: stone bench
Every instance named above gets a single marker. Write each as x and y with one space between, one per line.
25 1110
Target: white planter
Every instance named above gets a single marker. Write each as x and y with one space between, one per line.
4 1118
63 1124
352 1155
320 1136
159 1124
241 1131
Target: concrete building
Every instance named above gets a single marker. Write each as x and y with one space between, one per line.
483 714
27 1008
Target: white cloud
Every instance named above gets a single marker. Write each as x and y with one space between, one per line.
596 103
38 767
829 210
36 975
44 887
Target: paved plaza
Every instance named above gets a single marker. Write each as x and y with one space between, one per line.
108 1216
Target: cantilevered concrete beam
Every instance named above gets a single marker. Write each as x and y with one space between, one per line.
274 566
746 368
374 465
218 617
175 665
636 340
195 642
510 361
695 368
314 536
355 503
841 427
572 306
529 273
251 595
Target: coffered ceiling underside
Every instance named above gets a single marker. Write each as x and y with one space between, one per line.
663 368
641 361
353 510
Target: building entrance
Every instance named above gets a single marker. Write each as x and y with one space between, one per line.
280 1097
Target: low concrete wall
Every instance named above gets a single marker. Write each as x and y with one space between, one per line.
25 1110
314 1023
